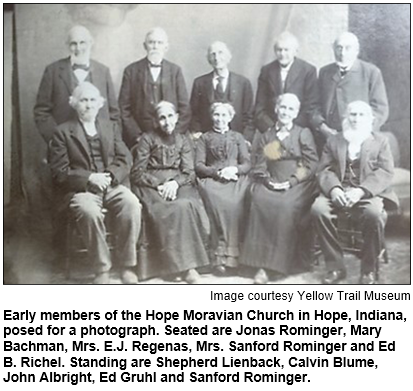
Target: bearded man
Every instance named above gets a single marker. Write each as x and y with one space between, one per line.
146 83
355 173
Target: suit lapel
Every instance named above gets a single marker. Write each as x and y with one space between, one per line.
165 77
292 76
275 79
65 72
209 87
341 155
232 87
365 150
96 76
78 134
104 134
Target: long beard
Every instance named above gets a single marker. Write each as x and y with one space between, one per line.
355 138
155 57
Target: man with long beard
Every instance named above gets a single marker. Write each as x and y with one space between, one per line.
146 83
355 174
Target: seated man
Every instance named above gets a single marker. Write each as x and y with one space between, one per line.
355 173
89 163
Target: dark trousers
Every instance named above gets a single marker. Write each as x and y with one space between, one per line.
372 219
89 212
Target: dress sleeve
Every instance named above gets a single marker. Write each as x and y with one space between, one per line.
309 158
201 167
186 173
140 175
244 161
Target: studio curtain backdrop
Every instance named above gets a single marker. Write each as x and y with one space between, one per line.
119 30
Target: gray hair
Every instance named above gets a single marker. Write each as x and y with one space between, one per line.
286 35
365 106
164 104
288 95
80 89
83 29
227 106
156 30
350 36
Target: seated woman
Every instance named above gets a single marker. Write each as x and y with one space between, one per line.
284 189
176 226
222 162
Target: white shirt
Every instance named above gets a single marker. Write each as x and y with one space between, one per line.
80 74
283 131
284 73
90 128
225 77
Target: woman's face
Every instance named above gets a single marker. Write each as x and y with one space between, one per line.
221 118
167 119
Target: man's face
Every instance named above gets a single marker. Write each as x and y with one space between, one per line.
287 110
167 119
346 50
285 50
219 56
80 45
156 45
88 105
359 117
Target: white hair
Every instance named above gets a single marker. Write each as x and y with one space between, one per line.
288 96
287 36
80 90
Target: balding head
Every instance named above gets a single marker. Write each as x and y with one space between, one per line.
359 119
87 101
346 49
80 43
285 48
219 55
156 45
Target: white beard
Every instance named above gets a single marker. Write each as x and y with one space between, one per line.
355 139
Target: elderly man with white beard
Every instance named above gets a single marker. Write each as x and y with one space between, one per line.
146 83
354 175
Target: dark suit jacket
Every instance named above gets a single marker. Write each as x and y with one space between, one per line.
137 111
70 161
363 82
240 96
301 81
58 82
376 166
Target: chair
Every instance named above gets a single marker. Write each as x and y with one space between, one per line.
75 247
351 240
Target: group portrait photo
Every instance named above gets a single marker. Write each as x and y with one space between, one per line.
206 144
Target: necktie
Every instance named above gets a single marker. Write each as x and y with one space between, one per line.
80 66
220 85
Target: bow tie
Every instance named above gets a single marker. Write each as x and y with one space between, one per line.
80 66
155 65
343 72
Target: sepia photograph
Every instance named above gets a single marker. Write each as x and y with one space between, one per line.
206 144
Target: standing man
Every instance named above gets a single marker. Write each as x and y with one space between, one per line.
146 83
89 163
347 80
221 85
287 74
61 78
355 173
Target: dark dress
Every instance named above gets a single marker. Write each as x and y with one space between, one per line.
278 219
224 201
174 232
